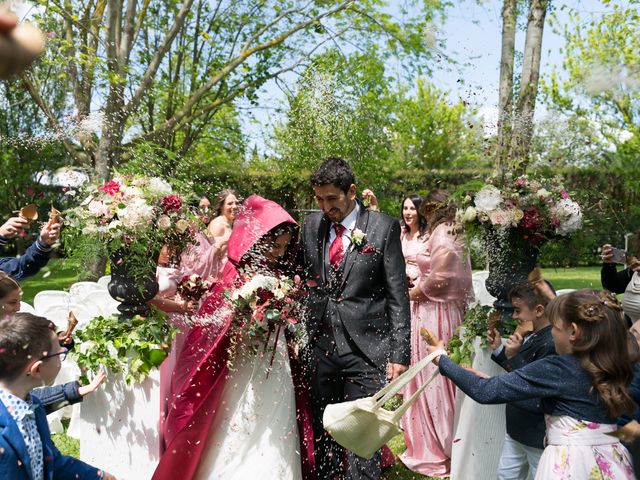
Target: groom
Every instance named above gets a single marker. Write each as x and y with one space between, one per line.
359 325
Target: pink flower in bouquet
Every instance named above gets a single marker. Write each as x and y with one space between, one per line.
564 195
522 182
170 203
110 188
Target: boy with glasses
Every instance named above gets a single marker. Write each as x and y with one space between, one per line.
31 356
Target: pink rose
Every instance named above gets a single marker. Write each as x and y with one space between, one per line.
110 188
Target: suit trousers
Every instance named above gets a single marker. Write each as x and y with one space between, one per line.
338 378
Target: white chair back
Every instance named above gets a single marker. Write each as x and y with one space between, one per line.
101 301
58 313
81 289
26 308
562 291
43 299
104 281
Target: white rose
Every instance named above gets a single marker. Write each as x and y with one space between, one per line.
159 187
543 193
569 214
99 209
500 217
469 215
488 198
164 222
136 214
131 193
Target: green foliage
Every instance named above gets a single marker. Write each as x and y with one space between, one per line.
132 347
352 108
599 95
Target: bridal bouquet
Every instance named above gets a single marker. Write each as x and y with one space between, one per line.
192 287
539 208
263 307
136 215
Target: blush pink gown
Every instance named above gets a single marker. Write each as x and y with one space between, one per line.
445 278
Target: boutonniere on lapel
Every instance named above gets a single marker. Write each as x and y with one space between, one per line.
359 242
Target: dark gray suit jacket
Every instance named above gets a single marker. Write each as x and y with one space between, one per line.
371 299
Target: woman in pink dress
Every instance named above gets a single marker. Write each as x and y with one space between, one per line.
208 255
439 301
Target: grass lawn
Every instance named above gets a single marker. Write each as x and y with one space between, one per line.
58 274
577 277
61 274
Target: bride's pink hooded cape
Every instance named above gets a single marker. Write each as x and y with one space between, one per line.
201 369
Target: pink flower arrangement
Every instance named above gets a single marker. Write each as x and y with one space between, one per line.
128 212
540 208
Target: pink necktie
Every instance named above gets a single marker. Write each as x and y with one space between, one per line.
336 250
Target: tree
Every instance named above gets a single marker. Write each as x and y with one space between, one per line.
160 71
353 108
602 65
515 124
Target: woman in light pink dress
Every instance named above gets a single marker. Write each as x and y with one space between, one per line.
439 301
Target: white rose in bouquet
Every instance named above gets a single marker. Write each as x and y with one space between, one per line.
488 198
137 214
569 215
99 209
164 222
469 215
159 187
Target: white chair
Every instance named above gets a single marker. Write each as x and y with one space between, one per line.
562 291
483 297
26 308
101 301
58 313
480 275
104 281
81 289
48 297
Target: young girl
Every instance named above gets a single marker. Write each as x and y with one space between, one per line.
10 295
581 390
57 396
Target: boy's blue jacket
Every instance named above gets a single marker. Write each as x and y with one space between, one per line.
14 459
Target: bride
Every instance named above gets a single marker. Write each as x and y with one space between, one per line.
250 421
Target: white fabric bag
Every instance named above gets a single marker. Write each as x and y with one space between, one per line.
363 425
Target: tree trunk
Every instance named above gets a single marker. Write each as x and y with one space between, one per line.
505 102
525 108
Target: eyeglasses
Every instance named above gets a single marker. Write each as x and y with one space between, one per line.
62 355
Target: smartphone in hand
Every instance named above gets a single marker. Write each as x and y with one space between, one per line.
618 256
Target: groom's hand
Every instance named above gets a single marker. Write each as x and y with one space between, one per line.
394 370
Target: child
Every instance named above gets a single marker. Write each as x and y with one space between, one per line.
30 356
582 389
55 397
36 256
524 440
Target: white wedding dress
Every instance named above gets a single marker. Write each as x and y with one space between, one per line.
256 434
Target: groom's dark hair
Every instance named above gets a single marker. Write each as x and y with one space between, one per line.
334 171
